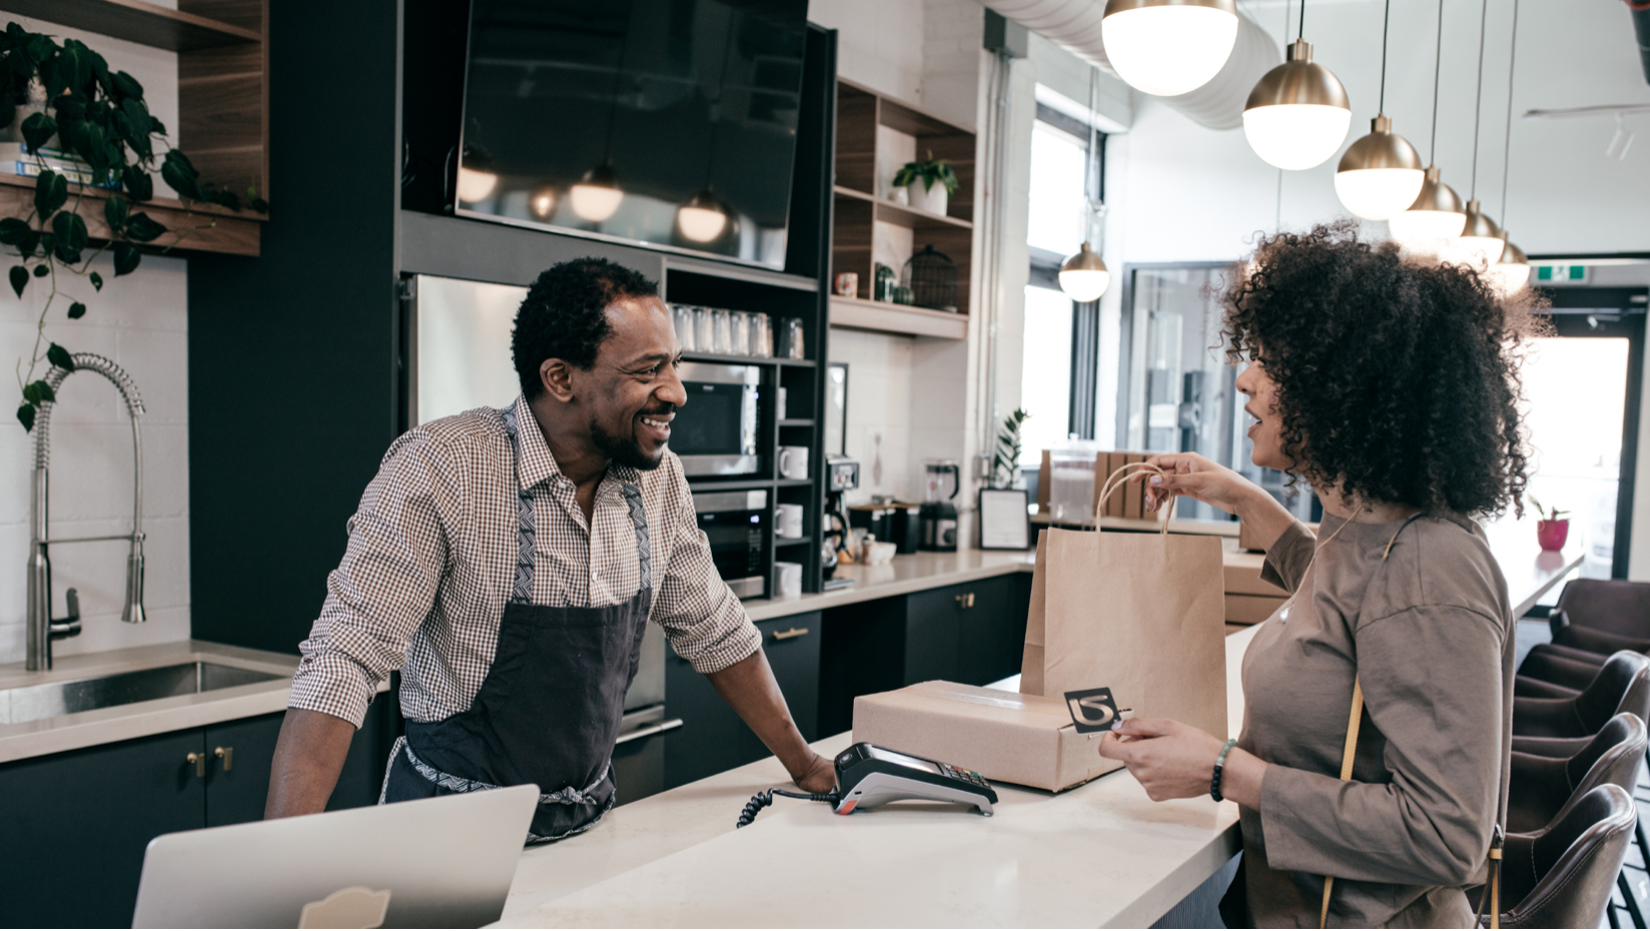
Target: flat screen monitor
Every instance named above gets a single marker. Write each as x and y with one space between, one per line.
665 123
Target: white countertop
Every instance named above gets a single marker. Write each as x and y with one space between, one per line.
1101 854
913 572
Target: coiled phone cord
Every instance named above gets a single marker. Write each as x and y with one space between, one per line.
762 800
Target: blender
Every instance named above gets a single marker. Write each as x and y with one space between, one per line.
938 515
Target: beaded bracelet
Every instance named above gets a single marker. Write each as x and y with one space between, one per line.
1220 764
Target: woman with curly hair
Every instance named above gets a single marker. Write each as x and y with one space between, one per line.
1392 388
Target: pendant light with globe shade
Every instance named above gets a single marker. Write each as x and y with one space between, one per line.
1168 47
1084 277
1512 271
703 218
1480 243
476 176
1298 113
597 196
1432 222
1380 174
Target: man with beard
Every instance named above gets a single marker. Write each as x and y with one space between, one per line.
507 562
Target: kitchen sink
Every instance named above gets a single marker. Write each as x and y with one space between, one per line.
33 702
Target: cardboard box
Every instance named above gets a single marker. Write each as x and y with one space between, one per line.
1044 483
1242 571
1251 609
1004 736
1135 504
1118 502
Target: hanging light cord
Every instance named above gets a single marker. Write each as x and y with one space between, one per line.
1478 104
1437 71
1302 33
1386 17
1506 146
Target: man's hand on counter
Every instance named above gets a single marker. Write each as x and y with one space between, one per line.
749 688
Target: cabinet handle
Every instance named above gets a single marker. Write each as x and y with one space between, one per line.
199 759
966 600
788 634
227 754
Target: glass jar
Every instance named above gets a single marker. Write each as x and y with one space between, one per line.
761 335
721 332
739 333
681 316
794 348
704 330
1072 486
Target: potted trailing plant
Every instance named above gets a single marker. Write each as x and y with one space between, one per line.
938 179
83 126
1005 460
1550 531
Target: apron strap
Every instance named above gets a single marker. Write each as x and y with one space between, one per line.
522 591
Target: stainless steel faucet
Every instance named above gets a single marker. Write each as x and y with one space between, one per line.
42 628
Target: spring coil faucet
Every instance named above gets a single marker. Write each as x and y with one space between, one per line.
42 628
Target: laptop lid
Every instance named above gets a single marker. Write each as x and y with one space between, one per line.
442 862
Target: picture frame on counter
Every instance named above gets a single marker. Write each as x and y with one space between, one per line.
1005 520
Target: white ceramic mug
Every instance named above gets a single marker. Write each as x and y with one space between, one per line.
788 579
793 461
789 522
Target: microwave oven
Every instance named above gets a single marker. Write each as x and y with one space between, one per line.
714 433
735 524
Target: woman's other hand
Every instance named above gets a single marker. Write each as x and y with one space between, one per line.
1174 760
1212 483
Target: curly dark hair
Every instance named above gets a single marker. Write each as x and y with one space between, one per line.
1396 380
565 315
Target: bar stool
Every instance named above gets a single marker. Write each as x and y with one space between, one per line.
1602 616
1622 684
1542 786
1561 876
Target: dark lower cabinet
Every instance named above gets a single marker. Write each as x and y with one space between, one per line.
74 825
713 738
972 633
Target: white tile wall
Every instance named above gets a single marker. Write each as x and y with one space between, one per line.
140 321
879 411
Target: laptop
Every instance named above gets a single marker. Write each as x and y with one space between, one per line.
442 862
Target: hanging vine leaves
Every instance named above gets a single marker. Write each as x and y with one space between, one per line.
80 111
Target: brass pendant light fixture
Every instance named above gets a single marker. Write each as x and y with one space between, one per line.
1480 244
1512 271
597 195
1298 114
1084 277
704 217
1380 174
1432 222
1169 47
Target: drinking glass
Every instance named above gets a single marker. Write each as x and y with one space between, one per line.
793 338
722 332
682 317
704 330
739 331
761 335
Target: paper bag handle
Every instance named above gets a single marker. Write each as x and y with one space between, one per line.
1118 479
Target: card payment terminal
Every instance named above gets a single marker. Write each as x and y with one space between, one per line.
868 775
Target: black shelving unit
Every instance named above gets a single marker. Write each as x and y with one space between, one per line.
297 367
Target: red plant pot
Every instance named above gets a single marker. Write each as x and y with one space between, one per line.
1552 534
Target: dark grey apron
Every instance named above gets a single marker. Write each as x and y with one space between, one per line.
548 712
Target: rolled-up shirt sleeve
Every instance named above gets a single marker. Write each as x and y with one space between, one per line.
1288 557
701 616
386 583
1432 680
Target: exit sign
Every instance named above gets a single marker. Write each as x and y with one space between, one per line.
1561 274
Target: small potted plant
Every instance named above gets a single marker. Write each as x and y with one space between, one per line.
1550 530
938 179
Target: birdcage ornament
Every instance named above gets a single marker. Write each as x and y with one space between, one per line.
932 278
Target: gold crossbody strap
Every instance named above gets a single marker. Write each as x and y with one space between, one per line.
1347 756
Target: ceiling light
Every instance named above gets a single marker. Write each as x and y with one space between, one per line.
1169 47
1380 174
1512 272
1480 243
1084 276
1298 114
1433 221
597 195
542 202
703 218
476 178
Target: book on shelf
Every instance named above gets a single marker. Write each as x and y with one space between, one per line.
15 159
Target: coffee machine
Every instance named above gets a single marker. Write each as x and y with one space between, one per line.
938 515
841 476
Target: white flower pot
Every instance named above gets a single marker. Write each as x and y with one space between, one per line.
934 200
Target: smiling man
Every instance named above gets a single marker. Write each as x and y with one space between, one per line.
508 561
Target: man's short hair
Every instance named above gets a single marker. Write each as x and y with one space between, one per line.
565 315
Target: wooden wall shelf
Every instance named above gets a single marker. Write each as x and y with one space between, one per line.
902 319
216 229
136 21
860 111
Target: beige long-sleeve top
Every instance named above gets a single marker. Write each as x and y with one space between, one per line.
1428 632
